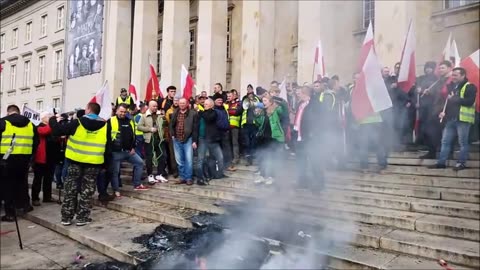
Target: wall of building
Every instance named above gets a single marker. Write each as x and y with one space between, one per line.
35 91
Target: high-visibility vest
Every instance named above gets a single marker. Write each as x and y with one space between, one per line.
322 95
116 128
137 131
467 113
23 139
128 101
233 119
87 146
244 113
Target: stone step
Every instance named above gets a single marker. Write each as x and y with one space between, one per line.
422 162
417 154
415 243
111 233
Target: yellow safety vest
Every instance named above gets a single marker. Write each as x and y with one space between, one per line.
234 119
87 146
321 98
137 131
23 139
467 114
128 101
244 113
200 107
116 129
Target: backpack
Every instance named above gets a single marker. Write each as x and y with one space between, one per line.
222 120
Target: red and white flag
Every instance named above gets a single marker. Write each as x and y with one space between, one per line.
186 84
370 94
447 51
318 63
407 73
102 97
367 45
152 90
133 93
471 65
454 54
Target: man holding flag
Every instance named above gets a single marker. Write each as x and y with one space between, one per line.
125 98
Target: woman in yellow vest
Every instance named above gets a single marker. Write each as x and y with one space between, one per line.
87 147
459 116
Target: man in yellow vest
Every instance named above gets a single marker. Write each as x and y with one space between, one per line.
234 109
18 139
459 116
87 148
125 98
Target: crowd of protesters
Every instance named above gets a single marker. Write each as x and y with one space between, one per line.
205 137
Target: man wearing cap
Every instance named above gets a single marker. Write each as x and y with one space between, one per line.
126 99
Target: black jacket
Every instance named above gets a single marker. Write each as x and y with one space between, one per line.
212 133
89 124
452 111
191 124
311 126
125 140
18 120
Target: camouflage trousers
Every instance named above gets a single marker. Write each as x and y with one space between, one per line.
83 177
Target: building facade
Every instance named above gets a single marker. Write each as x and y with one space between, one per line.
232 42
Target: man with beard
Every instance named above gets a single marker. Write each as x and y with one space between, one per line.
434 99
422 105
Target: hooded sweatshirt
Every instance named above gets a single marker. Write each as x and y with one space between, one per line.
90 122
18 120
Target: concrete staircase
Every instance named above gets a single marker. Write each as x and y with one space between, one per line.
407 217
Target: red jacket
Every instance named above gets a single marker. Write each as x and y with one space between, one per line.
41 154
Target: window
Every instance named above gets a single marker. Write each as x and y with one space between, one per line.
13 76
56 103
39 105
459 3
41 69
192 49
368 12
2 43
159 56
58 65
26 73
43 26
229 35
28 32
60 16
15 38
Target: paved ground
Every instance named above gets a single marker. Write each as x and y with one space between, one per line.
43 249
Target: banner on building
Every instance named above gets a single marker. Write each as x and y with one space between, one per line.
85 29
31 114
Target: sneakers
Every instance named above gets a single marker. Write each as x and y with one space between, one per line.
231 168
160 178
140 187
118 195
83 222
259 180
459 167
66 222
36 202
106 197
437 166
269 181
152 180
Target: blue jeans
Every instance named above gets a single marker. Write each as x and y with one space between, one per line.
139 149
214 150
184 158
135 160
61 172
452 128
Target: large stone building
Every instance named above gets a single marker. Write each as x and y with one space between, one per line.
232 42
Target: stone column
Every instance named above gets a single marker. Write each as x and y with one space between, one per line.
211 44
145 35
258 38
390 37
117 45
309 21
175 35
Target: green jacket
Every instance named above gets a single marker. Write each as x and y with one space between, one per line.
275 124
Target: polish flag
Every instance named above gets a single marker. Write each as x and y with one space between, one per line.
447 51
370 94
407 73
133 93
367 45
152 91
319 63
102 97
471 65
186 84
283 89
454 54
